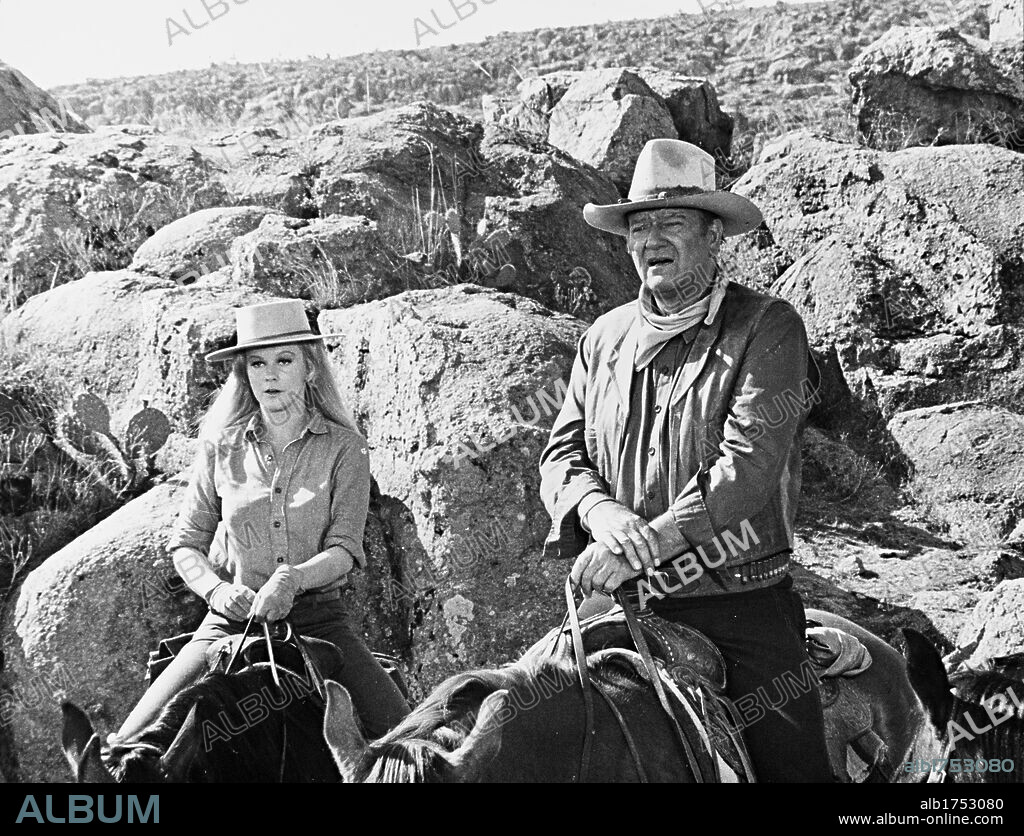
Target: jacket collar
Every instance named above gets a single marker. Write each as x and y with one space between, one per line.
255 429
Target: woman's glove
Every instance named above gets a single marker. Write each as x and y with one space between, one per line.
231 600
275 599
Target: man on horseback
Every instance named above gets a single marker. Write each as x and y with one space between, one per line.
678 446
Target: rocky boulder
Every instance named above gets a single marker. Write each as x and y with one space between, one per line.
197 244
335 260
456 389
84 623
71 203
920 86
967 461
28 109
691 103
994 628
1006 21
906 265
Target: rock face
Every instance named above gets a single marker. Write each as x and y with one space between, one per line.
83 626
996 627
906 265
197 244
457 389
130 338
407 169
605 118
336 260
1006 20
919 86
28 109
967 461
71 203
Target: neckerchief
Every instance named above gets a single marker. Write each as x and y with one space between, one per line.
657 329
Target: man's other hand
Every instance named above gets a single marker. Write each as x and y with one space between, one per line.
599 569
613 525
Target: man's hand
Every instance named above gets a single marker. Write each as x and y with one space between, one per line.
277 596
624 533
231 600
599 569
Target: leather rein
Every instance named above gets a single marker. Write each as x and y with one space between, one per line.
587 686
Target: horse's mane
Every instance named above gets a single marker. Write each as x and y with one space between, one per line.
413 752
215 695
1005 740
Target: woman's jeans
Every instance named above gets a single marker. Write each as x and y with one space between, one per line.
377 700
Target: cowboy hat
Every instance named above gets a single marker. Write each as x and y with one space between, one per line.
673 173
269 323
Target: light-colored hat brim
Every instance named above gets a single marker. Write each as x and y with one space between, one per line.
228 353
738 214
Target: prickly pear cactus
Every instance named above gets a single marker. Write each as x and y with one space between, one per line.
91 412
148 431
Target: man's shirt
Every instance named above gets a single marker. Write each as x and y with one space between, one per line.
647 450
251 513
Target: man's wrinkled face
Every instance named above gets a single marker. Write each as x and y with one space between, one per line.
673 251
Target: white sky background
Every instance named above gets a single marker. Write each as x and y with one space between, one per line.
63 41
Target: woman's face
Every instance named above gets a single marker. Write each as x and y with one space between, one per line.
277 375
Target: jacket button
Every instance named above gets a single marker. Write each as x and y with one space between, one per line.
277 524
650 452
277 490
280 560
657 409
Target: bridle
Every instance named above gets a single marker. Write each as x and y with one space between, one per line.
587 685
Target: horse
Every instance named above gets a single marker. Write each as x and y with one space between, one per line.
238 727
524 722
972 734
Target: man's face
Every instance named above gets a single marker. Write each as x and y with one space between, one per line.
671 251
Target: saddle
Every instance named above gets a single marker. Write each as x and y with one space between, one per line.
857 750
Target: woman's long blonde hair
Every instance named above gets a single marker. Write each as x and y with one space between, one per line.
236 403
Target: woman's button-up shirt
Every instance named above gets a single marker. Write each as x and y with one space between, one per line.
251 514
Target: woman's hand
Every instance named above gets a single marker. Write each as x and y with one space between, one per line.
599 569
231 600
277 596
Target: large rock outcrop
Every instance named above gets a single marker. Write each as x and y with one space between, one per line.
994 628
28 109
456 389
920 86
1006 21
906 266
72 203
967 461
409 169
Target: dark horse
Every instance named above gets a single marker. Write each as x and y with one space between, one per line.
226 727
525 723
981 726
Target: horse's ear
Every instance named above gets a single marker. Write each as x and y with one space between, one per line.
341 731
928 676
81 747
182 751
483 743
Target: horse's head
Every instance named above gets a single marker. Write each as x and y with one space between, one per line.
978 725
136 762
407 754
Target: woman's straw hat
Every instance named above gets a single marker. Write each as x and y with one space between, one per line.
269 323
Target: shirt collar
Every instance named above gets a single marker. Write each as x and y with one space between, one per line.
255 429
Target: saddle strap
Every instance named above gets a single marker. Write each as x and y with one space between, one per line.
655 679
584 675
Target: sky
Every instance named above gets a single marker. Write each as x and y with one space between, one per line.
57 42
